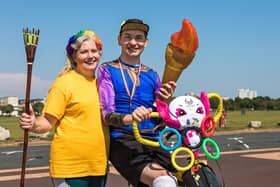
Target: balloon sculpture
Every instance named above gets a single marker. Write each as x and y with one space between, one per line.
189 119
186 116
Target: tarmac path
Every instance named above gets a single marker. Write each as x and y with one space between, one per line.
247 160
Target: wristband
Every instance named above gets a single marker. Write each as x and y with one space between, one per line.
115 119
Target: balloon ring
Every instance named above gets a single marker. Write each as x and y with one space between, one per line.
166 148
219 110
185 141
215 146
174 154
138 136
203 128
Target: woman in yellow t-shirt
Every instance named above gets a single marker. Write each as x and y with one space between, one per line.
78 155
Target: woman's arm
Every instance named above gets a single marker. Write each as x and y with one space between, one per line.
40 125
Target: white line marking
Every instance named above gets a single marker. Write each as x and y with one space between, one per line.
10 152
27 169
240 141
27 176
235 138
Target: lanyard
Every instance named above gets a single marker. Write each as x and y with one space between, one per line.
130 94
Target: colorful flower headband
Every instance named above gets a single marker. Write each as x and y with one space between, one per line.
73 39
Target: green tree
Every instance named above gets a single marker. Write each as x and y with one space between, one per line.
228 104
246 103
38 107
213 103
258 103
237 101
7 109
277 103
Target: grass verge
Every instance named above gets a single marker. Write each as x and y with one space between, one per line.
235 120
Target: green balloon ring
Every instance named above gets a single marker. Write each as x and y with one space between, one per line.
214 157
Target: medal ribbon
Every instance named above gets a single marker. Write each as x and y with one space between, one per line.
125 82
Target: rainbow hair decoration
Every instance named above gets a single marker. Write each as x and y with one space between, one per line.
73 39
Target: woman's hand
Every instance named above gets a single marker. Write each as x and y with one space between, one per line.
42 124
27 121
166 90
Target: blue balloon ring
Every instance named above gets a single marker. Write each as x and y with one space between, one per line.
166 148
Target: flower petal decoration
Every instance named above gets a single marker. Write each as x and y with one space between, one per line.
73 39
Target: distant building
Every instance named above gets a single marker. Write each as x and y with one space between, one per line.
10 100
31 101
226 98
18 104
21 102
246 93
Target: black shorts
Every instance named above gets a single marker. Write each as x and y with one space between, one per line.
130 157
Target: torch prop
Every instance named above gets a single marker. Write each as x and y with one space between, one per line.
30 39
180 52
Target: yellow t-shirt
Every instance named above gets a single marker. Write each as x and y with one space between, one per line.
79 145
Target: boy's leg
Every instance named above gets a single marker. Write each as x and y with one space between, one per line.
128 157
156 176
137 157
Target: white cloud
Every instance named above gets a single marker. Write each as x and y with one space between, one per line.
15 85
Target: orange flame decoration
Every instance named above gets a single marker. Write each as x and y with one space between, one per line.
186 39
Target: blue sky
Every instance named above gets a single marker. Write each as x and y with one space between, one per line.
239 41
